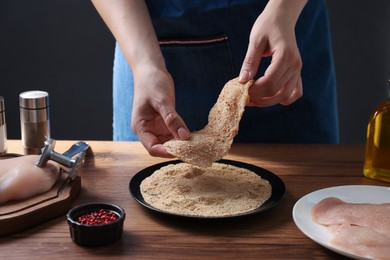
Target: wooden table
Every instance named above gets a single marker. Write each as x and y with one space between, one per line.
148 235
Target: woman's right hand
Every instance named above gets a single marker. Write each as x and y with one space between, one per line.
154 117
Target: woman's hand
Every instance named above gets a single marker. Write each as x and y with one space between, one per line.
154 118
273 35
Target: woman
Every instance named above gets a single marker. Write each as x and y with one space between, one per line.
173 58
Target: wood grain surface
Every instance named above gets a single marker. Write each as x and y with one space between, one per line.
147 235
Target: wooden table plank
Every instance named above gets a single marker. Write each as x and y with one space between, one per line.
147 235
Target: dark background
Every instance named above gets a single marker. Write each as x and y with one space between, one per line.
64 48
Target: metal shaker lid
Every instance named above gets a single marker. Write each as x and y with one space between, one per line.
34 99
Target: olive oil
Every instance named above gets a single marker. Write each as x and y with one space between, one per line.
377 154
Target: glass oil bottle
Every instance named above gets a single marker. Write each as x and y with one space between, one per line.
377 154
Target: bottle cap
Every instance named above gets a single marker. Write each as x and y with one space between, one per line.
1 104
388 94
2 110
34 99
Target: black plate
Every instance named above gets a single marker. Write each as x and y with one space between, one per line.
278 188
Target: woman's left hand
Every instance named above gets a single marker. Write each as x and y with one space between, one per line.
273 35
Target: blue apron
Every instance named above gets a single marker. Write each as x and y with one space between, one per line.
204 44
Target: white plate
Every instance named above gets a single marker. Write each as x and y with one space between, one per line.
351 193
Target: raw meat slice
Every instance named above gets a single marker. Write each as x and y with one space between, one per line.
213 142
20 178
333 211
360 241
358 228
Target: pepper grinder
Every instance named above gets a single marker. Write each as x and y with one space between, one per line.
3 128
34 120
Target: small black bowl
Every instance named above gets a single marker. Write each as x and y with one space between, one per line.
95 235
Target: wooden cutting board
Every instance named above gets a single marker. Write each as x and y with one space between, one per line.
16 216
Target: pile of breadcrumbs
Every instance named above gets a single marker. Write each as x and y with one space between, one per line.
217 191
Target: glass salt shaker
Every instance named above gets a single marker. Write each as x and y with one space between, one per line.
34 120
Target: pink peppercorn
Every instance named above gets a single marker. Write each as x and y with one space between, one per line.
99 217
